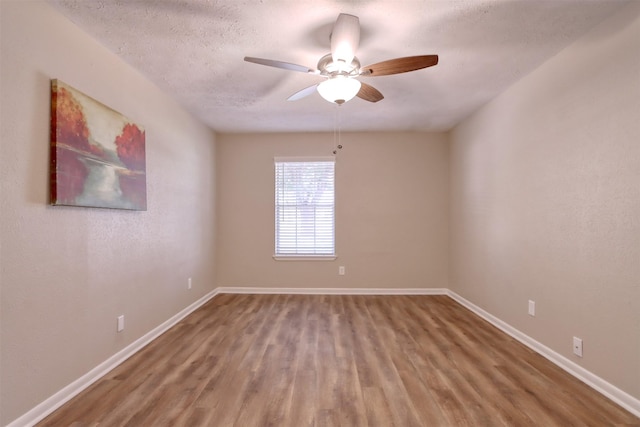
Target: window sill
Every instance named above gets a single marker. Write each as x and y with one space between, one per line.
304 257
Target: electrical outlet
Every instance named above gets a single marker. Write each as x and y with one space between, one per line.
532 308
341 270
189 283
120 323
577 346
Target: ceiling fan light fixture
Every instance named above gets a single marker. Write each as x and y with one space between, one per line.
339 89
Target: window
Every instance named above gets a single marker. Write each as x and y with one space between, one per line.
305 207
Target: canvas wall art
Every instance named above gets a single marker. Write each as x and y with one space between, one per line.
97 154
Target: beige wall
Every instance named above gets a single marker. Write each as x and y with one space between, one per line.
545 199
67 273
391 211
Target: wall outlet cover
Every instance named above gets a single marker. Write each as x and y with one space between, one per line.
532 308
577 346
120 323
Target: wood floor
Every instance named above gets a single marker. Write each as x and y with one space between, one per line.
310 360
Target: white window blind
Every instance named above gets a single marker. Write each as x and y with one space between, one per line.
305 206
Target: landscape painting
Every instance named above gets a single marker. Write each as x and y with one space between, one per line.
97 154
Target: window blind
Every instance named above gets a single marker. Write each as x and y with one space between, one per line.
305 207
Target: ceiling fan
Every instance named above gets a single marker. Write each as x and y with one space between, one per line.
341 67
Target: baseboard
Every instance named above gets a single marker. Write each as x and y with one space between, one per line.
622 398
333 291
47 407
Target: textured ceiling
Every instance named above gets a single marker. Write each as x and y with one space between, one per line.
194 50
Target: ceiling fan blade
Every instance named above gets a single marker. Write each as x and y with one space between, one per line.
345 38
303 93
369 93
400 65
280 64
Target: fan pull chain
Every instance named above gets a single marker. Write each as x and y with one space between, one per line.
336 130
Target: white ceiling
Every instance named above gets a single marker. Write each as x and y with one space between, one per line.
194 50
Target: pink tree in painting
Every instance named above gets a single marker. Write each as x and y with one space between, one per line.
130 146
70 130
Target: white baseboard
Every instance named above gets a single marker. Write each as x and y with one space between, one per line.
47 407
333 291
622 398
67 393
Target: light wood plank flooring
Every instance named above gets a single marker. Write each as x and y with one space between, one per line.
310 360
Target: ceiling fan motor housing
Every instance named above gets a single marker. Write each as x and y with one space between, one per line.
329 68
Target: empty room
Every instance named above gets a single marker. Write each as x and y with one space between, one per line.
319 213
